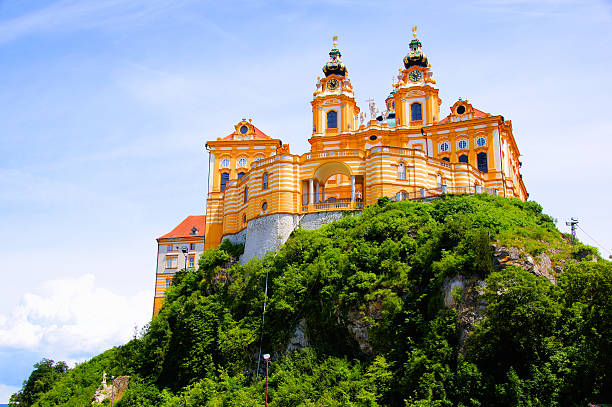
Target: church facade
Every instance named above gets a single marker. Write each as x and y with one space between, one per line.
406 151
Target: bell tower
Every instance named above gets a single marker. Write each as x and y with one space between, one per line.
334 110
416 97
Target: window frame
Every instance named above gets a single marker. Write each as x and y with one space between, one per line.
327 117
223 185
413 112
265 180
401 171
446 145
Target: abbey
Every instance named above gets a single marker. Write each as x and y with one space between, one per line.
258 191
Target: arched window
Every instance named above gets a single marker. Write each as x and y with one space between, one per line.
462 144
481 142
332 119
246 194
463 158
240 175
264 183
401 171
242 162
225 163
446 159
444 146
416 111
482 162
224 179
401 196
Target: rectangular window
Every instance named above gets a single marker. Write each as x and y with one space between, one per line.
191 261
170 248
171 262
192 246
168 282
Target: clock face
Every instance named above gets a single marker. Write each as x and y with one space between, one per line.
415 76
333 84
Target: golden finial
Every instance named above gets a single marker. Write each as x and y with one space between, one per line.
414 31
335 41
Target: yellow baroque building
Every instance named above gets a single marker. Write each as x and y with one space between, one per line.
258 191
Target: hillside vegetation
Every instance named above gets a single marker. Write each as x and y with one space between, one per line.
408 304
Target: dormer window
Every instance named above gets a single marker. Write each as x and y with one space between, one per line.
461 109
244 129
332 119
194 230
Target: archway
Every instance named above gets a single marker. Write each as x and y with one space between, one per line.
333 187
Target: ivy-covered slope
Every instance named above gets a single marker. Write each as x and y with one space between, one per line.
355 316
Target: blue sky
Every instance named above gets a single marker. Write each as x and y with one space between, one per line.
106 106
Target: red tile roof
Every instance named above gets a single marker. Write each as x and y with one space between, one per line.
185 227
477 114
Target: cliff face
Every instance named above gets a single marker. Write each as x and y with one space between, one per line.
462 301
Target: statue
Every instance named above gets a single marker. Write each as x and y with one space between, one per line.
373 109
103 378
362 116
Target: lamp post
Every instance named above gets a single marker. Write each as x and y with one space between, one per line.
185 250
113 391
267 359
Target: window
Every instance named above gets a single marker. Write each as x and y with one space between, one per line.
246 194
462 144
170 248
242 162
192 246
194 230
482 162
191 261
244 218
481 142
461 109
225 162
264 206
401 196
401 171
444 146
240 175
416 111
463 159
332 119
224 179
264 183
244 129
171 262
168 282
446 159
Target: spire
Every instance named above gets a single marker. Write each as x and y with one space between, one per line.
335 66
415 56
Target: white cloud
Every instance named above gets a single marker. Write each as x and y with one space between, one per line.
7 391
69 318
71 14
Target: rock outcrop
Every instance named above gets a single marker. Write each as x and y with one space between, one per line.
115 390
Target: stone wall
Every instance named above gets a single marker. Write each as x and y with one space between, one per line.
267 233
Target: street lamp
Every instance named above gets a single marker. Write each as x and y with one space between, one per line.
185 250
113 391
267 359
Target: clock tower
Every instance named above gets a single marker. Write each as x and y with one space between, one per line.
416 96
334 110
